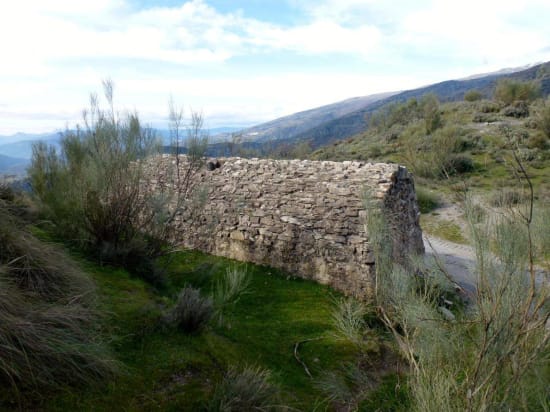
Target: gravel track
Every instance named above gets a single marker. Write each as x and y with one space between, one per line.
460 261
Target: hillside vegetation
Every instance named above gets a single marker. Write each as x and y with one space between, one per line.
346 125
469 141
217 336
457 147
100 312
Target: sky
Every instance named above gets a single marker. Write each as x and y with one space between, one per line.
243 62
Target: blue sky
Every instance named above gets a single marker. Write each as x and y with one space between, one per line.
245 62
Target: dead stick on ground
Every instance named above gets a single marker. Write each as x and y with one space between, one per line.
300 361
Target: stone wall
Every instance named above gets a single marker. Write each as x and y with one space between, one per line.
306 217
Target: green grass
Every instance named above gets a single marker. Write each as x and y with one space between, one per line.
164 369
442 228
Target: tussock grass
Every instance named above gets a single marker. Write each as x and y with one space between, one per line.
347 387
229 289
48 326
39 268
192 312
248 389
349 317
45 345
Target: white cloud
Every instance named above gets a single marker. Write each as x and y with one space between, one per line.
491 30
54 52
40 32
498 32
319 37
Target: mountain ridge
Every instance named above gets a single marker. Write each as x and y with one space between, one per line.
450 90
296 123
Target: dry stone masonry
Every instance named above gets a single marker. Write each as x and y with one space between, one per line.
306 217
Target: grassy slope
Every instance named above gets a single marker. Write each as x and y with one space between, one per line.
482 141
167 370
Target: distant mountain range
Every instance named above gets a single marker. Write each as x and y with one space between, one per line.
295 124
19 145
318 127
344 123
23 148
13 166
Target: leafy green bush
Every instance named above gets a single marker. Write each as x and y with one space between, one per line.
486 106
517 109
249 389
538 141
192 312
473 95
432 156
6 192
543 118
429 105
484 118
459 164
427 199
395 114
509 91
92 191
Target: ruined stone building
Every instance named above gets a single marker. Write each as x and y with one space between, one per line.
306 217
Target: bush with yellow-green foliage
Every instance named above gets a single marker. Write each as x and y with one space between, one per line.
473 95
543 118
92 190
509 91
492 356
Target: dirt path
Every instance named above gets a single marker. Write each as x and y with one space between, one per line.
459 260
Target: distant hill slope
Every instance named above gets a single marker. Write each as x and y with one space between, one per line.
12 165
298 123
341 126
23 148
